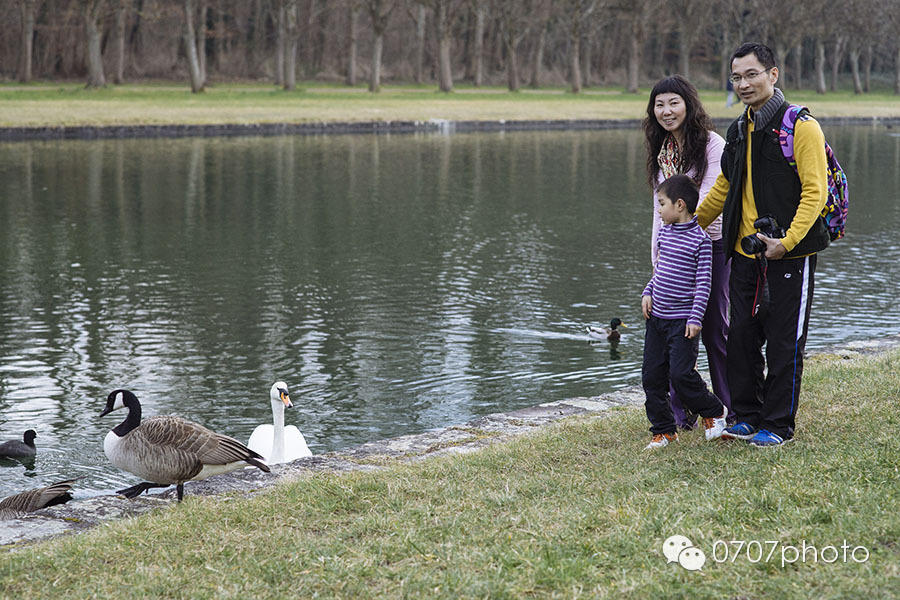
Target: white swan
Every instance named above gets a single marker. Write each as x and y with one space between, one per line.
277 443
169 450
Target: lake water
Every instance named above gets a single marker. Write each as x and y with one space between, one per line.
396 283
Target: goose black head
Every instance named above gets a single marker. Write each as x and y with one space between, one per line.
28 437
120 399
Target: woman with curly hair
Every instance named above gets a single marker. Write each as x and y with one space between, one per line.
679 138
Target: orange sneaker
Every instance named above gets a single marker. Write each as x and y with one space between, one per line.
715 426
661 439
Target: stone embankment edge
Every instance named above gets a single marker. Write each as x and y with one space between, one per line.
478 433
91 132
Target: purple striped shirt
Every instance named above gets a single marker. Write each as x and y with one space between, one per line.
681 281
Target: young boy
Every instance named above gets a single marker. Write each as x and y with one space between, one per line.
673 304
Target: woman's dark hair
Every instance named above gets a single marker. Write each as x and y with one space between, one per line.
696 128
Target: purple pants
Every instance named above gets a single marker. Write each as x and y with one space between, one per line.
714 333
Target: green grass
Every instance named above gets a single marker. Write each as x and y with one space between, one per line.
51 104
577 510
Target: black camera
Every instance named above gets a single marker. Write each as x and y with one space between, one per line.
766 225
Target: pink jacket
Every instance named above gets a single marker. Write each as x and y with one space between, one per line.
714 148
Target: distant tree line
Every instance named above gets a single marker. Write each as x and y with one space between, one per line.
820 44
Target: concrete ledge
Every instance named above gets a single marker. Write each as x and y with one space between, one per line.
456 439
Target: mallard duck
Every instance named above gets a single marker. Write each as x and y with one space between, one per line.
169 450
277 443
607 333
32 500
17 449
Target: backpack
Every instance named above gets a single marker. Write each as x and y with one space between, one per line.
838 202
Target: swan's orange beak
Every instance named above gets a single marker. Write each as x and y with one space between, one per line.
285 398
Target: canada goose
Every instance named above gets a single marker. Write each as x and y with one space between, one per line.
169 450
607 333
31 500
17 449
277 443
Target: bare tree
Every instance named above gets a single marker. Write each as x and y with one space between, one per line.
119 42
352 41
542 24
190 46
480 8
379 11
27 8
578 12
516 20
91 11
418 13
291 27
689 14
636 14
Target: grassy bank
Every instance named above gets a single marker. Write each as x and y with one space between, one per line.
576 510
72 104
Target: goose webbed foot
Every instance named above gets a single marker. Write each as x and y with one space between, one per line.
136 490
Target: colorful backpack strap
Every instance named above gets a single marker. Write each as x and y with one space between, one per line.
838 202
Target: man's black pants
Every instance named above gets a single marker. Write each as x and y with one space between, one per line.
770 401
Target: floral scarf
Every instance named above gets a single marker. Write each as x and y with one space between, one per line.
669 157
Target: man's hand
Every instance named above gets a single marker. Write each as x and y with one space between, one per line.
691 331
646 306
774 248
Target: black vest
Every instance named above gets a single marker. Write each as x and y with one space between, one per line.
776 186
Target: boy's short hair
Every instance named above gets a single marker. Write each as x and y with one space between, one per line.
681 187
763 53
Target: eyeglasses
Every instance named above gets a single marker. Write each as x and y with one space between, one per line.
749 76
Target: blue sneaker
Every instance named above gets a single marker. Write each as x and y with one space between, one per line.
739 431
766 439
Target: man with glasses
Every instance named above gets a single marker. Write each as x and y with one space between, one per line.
771 283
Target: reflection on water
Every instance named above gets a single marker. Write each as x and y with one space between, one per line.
397 283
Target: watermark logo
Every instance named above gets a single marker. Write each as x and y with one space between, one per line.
680 549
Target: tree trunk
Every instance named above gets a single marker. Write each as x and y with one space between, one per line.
420 43
25 60
867 68
201 42
119 44
445 69
292 30
190 44
586 62
537 64
836 59
798 66
353 42
220 34
375 80
479 44
575 61
280 41
854 67
91 11
897 72
634 57
684 51
512 67
820 67
290 64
